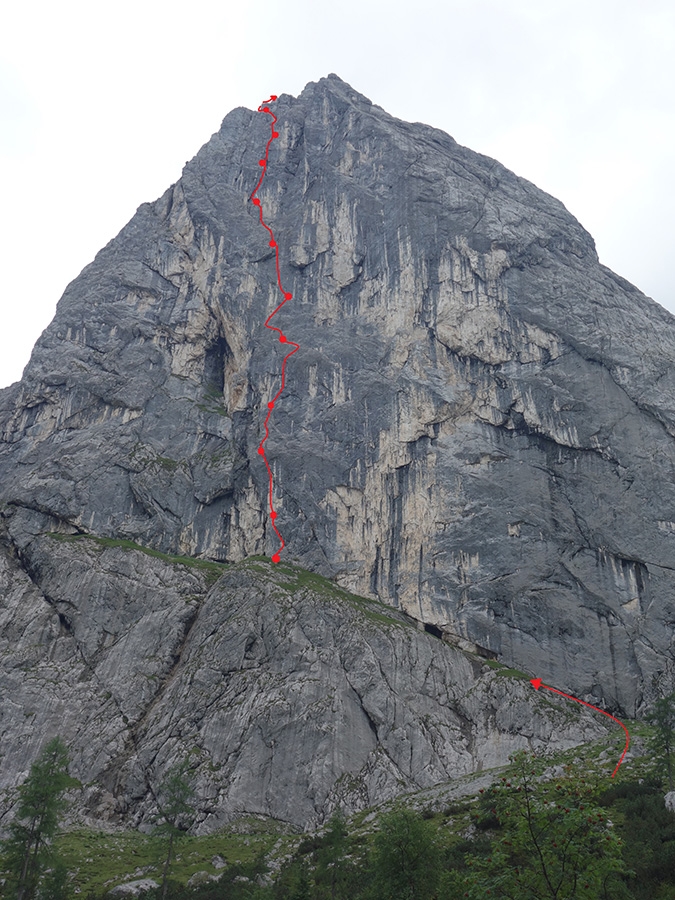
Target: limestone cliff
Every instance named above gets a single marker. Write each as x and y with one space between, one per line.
287 695
478 428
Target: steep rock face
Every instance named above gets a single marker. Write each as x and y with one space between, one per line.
286 695
478 427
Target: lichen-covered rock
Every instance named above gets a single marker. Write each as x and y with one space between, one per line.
287 695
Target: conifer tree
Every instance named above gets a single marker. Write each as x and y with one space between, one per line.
28 850
331 870
175 798
406 859
662 743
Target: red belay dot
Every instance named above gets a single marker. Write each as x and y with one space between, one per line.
282 337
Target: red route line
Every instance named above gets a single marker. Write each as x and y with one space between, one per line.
536 682
282 337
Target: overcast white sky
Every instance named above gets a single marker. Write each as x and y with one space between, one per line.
101 105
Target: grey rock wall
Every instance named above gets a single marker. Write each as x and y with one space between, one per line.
478 430
287 696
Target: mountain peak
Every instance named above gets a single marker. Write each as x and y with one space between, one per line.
477 429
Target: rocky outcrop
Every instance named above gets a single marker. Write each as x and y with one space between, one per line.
478 430
287 695
133 888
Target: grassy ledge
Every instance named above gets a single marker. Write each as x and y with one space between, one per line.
100 860
213 570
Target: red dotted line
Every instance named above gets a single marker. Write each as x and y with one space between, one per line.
282 337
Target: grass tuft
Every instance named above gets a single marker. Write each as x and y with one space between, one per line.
213 570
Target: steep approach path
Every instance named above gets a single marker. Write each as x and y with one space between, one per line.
264 108
537 683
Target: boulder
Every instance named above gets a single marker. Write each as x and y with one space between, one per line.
133 888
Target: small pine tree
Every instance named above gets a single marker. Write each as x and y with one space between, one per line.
175 797
28 850
331 870
55 884
292 882
303 888
406 861
662 743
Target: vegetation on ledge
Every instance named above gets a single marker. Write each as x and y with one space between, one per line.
213 569
549 825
